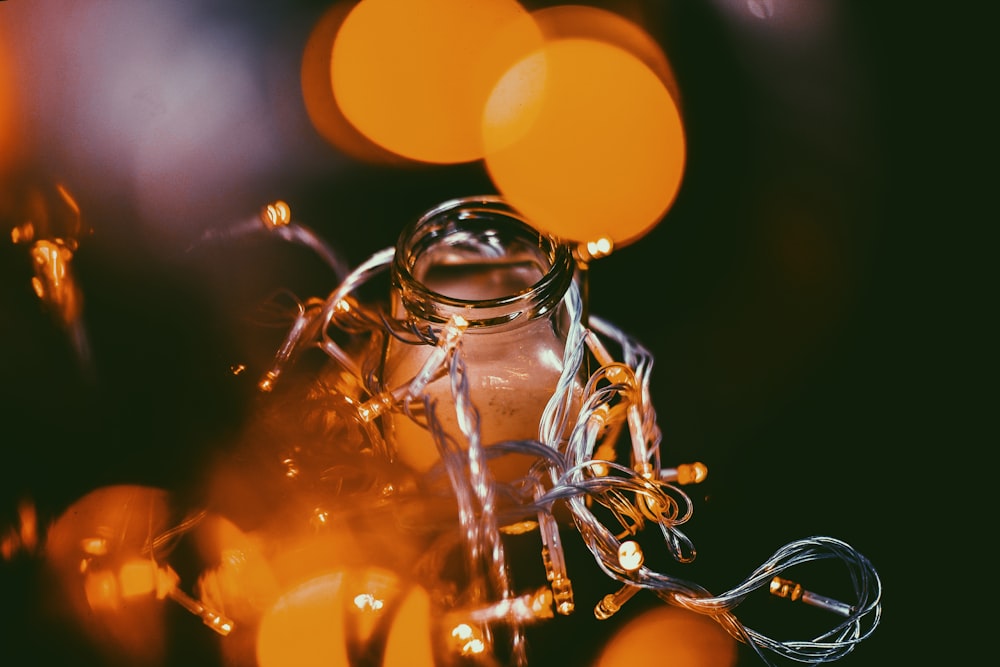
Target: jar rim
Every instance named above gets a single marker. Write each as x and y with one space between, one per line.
441 221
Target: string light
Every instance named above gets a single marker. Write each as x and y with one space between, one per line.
611 498
582 470
112 547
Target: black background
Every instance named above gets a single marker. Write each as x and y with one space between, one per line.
802 298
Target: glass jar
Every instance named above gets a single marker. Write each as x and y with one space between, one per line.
480 259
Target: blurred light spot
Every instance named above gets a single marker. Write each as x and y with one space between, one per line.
87 548
305 627
240 579
178 124
23 537
409 643
762 9
601 153
670 636
321 106
101 589
94 546
519 527
414 76
8 103
580 21
276 214
23 233
137 577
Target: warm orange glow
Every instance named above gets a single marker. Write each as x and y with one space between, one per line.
8 102
313 622
630 556
317 93
580 21
599 155
238 578
138 577
414 76
670 636
467 640
409 643
101 589
91 548
305 627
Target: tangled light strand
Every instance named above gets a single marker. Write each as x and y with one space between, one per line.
582 470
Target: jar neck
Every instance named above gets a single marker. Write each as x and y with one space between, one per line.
479 258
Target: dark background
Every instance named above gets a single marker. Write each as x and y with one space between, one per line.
798 298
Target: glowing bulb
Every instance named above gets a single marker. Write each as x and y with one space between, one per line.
686 473
467 640
25 536
630 556
669 636
600 151
276 214
410 643
108 550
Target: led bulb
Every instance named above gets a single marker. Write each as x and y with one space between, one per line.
276 214
791 590
630 556
686 473
109 550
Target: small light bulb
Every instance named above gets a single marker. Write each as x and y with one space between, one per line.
630 556
276 214
791 590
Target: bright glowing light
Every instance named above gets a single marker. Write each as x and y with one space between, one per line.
242 583
600 155
468 640
137 577
367 601
409 642
630 556
101 589
305 627
670 636
581 21
276 214
414 76
317 92
25 536
87 548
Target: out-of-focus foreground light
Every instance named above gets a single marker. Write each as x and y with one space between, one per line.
88 548
602 25
414 76
573 109
603 154
8 101
335 618
669 636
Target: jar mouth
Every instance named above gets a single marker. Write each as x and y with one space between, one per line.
480 258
